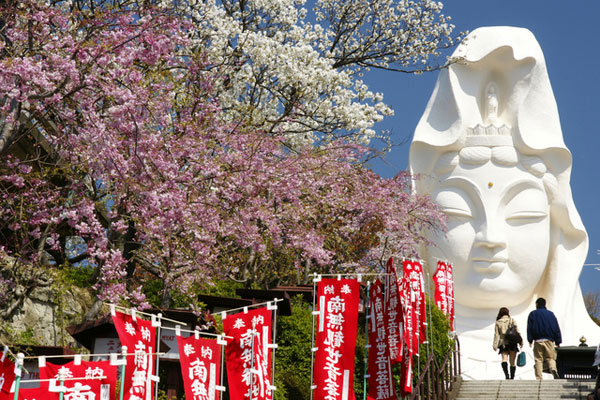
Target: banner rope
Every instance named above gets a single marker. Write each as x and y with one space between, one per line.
357 274
91 355
65 379
266 303
133 313
215 335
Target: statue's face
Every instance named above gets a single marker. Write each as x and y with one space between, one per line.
498 233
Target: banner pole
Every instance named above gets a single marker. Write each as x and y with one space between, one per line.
222 364
159 315
122 389
252 363
61 380
312 340
366 357
18 372
274 337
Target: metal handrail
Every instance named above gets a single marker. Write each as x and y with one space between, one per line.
435 382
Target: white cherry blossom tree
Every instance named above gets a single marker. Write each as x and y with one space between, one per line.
295 68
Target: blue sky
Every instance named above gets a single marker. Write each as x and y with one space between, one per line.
569 35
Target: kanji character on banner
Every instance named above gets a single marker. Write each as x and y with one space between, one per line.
248 354
140 337
381 382
200 360
98 379
336 339
394 313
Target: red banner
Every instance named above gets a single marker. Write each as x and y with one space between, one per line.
140 337
7 377
90 386
34 394
248 354
444 290
381 383
414 293
393 312
413 301
200 367
336 339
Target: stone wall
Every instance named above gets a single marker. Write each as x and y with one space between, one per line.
45 314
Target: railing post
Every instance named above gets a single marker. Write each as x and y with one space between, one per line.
435 381
123 367
18 372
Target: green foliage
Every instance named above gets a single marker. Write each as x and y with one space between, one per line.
70 282
152 290
223 287
360 359
81 276
292 368
440 342
26 337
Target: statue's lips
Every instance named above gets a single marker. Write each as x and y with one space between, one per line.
489 265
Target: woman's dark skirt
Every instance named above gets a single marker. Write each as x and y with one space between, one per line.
507 348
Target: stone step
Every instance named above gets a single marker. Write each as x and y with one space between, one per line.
525 389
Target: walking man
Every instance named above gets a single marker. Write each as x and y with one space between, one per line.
543 331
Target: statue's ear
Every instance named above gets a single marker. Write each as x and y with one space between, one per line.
441 111
422 159
537 115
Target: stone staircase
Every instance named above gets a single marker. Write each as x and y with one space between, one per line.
526 389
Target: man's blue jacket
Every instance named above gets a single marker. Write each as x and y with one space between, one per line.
542 324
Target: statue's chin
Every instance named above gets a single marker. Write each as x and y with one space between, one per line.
491 285
491 295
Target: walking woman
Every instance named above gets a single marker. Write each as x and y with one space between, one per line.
506 348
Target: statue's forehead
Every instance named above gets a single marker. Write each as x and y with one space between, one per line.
490 177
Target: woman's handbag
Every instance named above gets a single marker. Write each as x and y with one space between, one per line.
513 336
521 359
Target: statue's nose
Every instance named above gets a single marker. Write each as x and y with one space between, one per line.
491 235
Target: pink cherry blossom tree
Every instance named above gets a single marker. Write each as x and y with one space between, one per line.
118 150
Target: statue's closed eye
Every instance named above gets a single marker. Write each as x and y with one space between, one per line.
456 212
453 203
527 206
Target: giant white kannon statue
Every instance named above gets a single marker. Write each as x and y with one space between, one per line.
489 149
